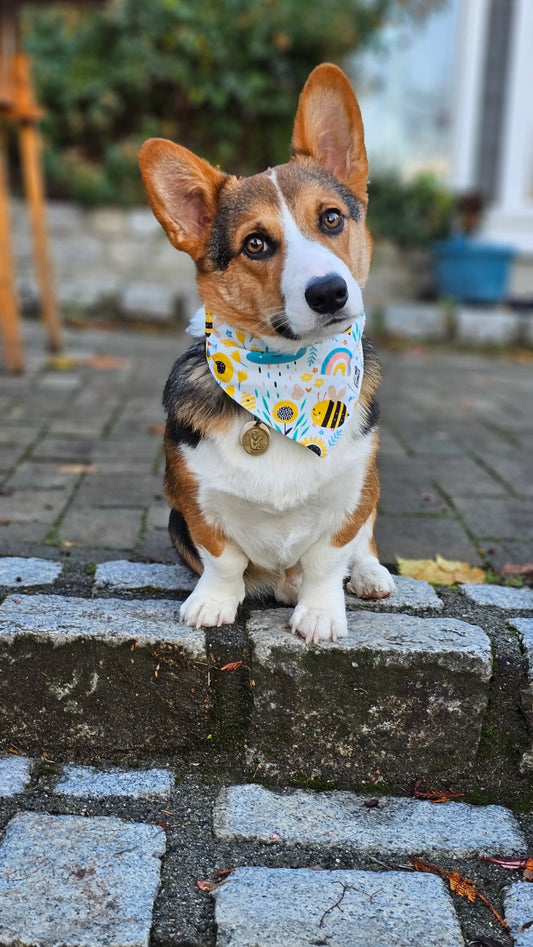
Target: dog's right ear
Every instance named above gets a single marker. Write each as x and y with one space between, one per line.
183 192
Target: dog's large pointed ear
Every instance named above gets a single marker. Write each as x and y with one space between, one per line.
328 127
183 191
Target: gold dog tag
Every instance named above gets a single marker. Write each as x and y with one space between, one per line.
255 437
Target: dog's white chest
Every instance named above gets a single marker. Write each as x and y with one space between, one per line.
276 505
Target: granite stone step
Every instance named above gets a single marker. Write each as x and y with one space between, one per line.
286 907
113 857
518 902
81 676
395 827
400 696
78 882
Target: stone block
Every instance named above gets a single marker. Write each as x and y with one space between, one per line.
88 782
141 221
115 528
65 217
408 593
83 678
398 697
500 595
108 221
78 882
289 906
414 320
86 292
148 300
524 627
84 251
28 294
121 574
518 902
14 774
19 572
486 326
395 828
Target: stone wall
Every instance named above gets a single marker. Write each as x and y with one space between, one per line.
116 263
107 262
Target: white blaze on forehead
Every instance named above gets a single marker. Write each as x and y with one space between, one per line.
306 260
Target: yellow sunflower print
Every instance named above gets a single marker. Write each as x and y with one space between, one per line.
285 412
316 445
222 366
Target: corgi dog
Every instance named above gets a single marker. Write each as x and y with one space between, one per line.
271 432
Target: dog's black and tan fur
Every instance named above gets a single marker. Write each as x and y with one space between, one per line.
287 520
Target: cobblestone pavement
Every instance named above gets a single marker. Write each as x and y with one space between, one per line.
141 760
131 747
81 459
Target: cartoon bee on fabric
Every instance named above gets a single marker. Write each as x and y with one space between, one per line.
330 412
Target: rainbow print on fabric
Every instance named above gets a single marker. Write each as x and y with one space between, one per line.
308 396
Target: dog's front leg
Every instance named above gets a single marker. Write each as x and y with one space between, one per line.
219 590
320 614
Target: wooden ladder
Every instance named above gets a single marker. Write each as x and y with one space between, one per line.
17 105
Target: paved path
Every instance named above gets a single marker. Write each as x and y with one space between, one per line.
131 746
81 460
92 858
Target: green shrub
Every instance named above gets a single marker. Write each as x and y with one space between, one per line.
410 213
220 76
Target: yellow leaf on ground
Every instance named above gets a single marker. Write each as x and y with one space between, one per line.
62 363
440 571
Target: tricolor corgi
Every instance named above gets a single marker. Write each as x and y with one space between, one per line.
271 433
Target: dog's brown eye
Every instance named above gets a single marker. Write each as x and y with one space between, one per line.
331 220
255 245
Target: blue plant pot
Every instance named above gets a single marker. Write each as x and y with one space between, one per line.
471 271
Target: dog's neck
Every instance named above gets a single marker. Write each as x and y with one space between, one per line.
307 395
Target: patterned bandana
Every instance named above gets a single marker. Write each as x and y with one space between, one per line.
308 396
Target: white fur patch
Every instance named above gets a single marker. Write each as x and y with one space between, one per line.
275 506
305 260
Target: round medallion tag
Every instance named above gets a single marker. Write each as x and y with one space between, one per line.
255 437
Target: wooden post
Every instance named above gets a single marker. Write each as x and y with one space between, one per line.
17 105
30 148
9 317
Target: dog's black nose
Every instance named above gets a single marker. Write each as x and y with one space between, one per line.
327 294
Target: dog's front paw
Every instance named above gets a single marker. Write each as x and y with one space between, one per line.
202 612
317 624
371 580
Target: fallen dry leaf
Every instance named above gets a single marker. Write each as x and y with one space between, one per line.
440 571
464 887
209 885
434 795
77 468
232 666
515 864
512 569
65 363
62 363
105 362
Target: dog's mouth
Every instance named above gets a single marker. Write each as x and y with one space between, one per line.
336 319
281 326
324 326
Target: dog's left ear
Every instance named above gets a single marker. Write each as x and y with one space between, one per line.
329 128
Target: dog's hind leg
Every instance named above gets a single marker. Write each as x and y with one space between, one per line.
369 579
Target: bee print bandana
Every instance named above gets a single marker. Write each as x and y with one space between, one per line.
308 396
